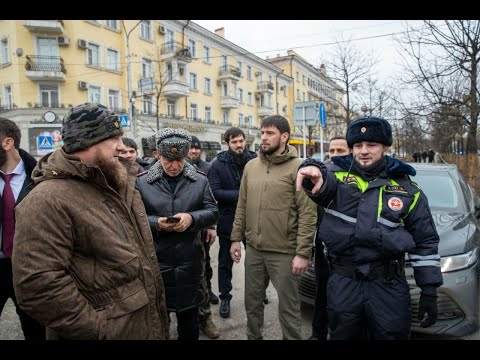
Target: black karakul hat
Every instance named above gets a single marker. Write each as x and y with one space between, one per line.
173 143
371 129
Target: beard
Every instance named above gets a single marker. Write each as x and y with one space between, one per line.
114 171
271 150
3 156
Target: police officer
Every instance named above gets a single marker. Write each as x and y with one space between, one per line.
374 214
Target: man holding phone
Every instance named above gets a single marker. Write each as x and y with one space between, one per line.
173 189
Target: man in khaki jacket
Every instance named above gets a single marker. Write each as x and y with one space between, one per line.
84 263
279 224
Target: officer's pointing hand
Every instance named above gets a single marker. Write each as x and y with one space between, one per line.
314 174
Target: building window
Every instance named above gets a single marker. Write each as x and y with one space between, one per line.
114 100
193 81
250 121
249 72
206 54
240 68
147 103
49 95
241 120
93 55
112 24
208 113
304 96
284 90
169 72
8 97
240 95
208 86
224 89
193 111
4 53
146 29
303 79
146 68
298 94
170 108
249 98
94 94
192 46
113 60
225 117
298 76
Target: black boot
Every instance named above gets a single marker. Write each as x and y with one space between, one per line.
213 298
225 309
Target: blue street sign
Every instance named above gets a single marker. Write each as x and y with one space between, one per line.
323 115
123 120
45 142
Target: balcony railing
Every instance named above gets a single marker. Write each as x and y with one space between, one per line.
45 63
265 85
229 70
176 48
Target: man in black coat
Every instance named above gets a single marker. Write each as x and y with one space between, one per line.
179 204
225 176
16 167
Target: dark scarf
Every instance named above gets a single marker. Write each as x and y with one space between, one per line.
391 167
370 172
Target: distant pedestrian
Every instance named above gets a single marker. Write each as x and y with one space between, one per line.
431 155
416 156
424 156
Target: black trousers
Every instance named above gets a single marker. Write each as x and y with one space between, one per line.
187 325
32 330
225 264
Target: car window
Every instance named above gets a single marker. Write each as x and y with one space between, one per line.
441 190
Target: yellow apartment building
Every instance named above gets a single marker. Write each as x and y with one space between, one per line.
155 73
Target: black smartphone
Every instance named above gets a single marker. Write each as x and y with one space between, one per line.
171 219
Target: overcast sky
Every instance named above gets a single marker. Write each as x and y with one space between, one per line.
310 38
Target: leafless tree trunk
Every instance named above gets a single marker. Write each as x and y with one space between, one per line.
349 66
444 72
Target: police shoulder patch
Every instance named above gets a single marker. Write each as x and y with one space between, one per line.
398 188
142 173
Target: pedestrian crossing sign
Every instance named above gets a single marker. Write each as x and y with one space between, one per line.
123 120
45 142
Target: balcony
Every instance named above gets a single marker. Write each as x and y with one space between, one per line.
265 110
173 50
229 102
45 68
265 86
146 84
229 72
176 89
52 26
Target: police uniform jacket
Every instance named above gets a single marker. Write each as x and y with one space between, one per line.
366 223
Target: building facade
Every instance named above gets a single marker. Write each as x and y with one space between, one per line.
156 73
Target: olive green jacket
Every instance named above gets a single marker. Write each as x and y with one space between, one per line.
271 213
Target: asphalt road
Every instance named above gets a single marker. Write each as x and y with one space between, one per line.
232 328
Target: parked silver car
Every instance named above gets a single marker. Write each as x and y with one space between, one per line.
455 209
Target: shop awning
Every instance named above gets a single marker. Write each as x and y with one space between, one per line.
214 145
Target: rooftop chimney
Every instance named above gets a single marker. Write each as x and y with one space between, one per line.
220 32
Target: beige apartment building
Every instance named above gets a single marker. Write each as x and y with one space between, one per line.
155 73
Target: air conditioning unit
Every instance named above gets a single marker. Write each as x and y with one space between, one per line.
161 29
219 82
63 40
82 85
82 43
284 108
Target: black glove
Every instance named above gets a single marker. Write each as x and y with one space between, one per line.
428 304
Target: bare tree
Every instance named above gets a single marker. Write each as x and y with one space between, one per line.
444 71
349 66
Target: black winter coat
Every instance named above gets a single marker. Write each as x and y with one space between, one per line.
225 177
179 254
